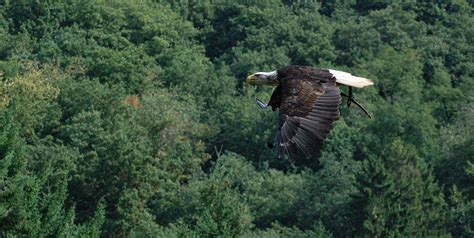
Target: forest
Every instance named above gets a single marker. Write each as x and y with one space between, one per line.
130 118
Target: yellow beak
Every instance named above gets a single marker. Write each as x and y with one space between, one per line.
250 78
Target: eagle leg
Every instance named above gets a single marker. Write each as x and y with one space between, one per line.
349 98
261 104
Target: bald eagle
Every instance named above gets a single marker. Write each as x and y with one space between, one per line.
308 100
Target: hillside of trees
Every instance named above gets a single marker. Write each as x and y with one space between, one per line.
129 118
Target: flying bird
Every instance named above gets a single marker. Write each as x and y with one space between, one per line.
308 100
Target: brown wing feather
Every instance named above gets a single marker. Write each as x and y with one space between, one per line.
309 104
275 99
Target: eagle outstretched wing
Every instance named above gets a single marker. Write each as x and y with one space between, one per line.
308 99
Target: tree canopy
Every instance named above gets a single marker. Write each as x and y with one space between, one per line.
130 119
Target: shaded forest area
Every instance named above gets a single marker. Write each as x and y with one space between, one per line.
130 119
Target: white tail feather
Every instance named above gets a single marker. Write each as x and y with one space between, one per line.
350 80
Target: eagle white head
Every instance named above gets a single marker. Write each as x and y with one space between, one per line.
263 78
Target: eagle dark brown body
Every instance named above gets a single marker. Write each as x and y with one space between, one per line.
308 100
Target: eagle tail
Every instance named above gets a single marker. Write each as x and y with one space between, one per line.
350 80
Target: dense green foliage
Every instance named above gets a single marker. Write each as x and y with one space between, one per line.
129 118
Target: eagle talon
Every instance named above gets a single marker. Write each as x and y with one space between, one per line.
261 104
351 99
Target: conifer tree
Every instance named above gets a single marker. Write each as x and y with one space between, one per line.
398 196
